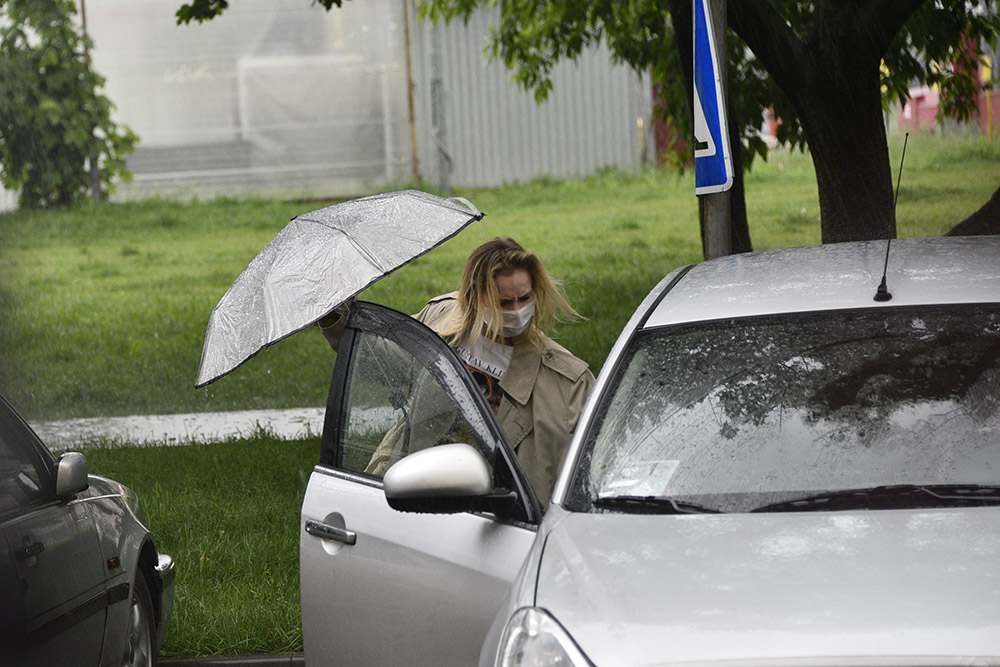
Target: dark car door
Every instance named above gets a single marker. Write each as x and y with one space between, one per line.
51 572
380 586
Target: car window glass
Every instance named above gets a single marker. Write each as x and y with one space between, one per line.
24 479
396 406
738 414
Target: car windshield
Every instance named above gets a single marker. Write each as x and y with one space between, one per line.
878 408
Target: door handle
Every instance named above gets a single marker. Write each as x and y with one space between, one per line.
327 532
26 552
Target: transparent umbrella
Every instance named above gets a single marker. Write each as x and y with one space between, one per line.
319 261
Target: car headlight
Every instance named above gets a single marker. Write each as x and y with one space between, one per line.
532 638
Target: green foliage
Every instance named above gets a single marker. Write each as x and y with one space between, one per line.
206 10
940 45
53 120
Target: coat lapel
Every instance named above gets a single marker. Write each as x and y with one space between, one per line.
520 377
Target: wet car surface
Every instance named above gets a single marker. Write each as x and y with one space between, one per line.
774 468
81 580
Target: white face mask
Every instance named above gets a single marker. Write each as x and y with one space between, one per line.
516 321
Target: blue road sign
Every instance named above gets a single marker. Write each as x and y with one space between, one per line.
713 164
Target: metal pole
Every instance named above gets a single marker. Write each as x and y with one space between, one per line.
414 161
438 123
95 169
714 208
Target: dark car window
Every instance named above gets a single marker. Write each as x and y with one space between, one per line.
24 477
739 414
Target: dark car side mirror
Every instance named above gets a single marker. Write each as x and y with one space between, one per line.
445 479
71 474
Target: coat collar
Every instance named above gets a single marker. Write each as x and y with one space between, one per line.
520 377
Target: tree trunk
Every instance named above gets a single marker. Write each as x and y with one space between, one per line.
847 140
983 222
831 78
739 229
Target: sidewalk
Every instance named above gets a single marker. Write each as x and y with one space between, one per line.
180 429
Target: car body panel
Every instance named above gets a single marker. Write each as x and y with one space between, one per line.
412 585
380 586
775 586
61 585
833 277
124 533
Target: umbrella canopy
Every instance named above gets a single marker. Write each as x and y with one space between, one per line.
319 261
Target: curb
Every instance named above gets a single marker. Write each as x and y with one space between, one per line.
293 660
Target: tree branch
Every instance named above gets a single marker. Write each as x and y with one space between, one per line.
879 21
774 43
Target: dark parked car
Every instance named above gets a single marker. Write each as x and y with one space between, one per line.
81 580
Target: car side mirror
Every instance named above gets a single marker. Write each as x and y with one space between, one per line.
445 479
71 474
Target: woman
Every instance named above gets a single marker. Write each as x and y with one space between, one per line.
497 323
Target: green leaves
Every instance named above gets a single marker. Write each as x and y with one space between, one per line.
200 10
206 10
942 46
54 122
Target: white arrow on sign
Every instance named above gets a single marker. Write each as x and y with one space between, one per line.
713 168
704 143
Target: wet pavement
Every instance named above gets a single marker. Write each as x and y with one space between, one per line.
180 429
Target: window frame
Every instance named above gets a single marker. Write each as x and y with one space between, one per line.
429 349
32 451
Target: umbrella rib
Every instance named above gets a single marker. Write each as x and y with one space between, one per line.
360 248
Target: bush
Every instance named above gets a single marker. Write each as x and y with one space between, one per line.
54 122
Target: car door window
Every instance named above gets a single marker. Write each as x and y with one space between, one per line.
395 407
401 389
24 478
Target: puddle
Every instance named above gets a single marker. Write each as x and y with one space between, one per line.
181 429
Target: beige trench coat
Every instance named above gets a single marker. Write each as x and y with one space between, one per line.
544 391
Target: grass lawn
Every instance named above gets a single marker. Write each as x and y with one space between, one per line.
228 513
103 312
104 308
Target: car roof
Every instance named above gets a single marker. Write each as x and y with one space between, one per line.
832 277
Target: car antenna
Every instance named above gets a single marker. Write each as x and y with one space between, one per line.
882 293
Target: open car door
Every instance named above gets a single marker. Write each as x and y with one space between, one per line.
381 586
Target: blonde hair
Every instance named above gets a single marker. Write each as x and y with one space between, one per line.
479 301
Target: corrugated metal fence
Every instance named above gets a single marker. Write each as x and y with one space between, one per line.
493 132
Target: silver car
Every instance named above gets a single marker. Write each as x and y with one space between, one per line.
81 581
775 468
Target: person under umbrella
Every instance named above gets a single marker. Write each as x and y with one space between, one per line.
498 323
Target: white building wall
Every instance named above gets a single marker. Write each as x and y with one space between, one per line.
279 96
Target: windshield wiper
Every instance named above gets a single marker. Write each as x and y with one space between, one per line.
651 505
895 496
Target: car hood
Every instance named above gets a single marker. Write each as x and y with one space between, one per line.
657 590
